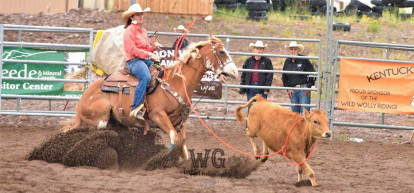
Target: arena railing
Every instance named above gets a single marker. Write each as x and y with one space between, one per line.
50 46
336 75
319 75
225 101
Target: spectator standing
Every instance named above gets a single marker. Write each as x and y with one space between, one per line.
257 78
298 80
177 42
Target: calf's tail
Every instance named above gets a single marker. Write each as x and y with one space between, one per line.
240 115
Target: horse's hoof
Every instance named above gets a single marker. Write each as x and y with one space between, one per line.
170 148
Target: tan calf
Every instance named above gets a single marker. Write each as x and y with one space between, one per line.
272 122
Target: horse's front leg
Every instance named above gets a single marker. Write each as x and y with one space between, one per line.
162 120
183 136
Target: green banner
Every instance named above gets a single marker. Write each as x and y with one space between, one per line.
41 71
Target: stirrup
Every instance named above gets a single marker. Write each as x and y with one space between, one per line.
134 112
140 115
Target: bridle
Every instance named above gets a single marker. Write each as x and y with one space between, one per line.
221 63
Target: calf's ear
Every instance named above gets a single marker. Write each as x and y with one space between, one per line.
306 114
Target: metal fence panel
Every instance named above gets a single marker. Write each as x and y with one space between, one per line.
225 101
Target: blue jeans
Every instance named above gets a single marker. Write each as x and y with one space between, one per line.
299 97
251 92
139 68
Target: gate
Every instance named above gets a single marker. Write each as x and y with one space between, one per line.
406 50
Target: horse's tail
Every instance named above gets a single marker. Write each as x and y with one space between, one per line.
240 115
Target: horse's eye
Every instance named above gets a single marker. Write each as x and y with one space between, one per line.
222 52
315 121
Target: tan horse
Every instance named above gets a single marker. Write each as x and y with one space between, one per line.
165 111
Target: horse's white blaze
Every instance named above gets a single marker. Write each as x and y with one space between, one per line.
229 59
102 124
172 136
230 66
227 54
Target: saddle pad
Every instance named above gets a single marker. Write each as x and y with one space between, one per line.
115 89
114 79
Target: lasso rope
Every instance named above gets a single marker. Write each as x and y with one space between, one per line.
283 149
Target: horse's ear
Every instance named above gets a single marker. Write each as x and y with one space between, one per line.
213 40
210 36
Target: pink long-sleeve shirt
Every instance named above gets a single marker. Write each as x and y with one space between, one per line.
136 42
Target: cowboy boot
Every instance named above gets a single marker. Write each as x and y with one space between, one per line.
136 110
141 113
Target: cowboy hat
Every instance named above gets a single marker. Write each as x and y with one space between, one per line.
294 44
258 44
180 28
135 8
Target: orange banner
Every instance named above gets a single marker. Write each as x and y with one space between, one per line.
376 86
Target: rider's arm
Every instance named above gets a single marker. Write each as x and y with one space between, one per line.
135 44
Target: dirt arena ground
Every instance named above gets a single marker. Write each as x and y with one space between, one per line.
382 163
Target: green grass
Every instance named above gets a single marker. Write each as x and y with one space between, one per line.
388 17
364 28
286 33
342 138
272 30
400 56
241 59
373 26
380 39
225 13
377 50
228 28
237 32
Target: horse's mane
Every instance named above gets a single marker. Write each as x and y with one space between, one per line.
191 52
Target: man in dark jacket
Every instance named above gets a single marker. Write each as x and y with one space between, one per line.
298 80
257 78
177 42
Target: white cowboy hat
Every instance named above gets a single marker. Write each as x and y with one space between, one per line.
294 44
258 44
180 28
135 8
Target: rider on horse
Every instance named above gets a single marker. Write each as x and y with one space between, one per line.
139 52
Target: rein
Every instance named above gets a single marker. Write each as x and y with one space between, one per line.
204 93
